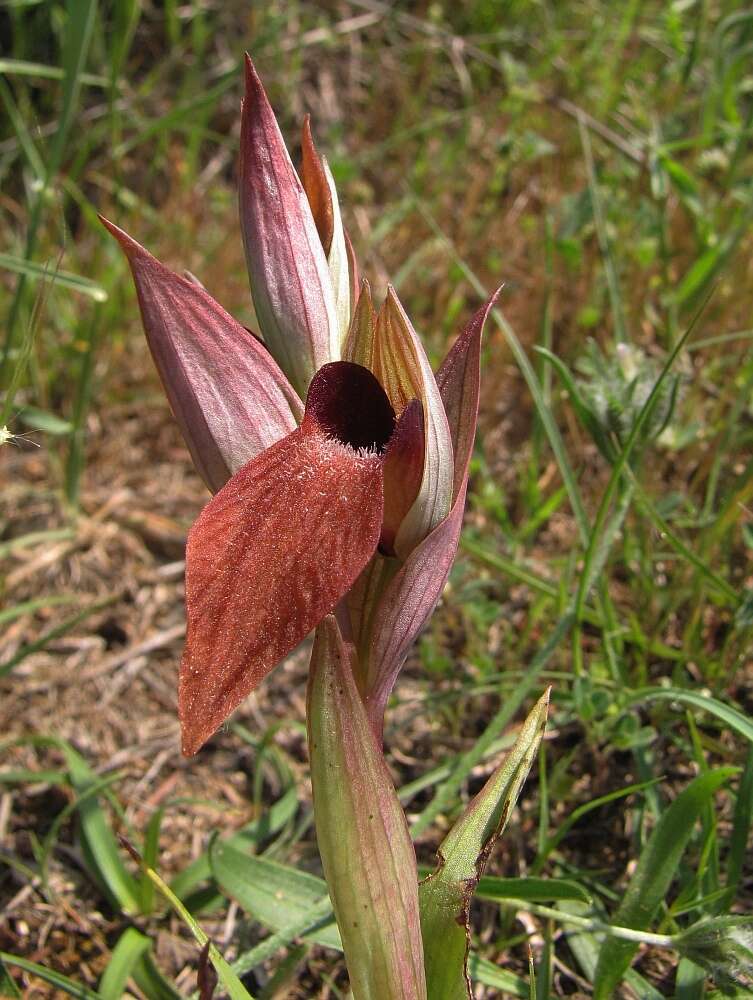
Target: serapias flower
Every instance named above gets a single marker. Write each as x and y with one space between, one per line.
352 502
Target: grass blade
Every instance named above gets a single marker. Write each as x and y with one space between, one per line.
54 633
74 466
726 714
151 981
131 947
34 538
318 914
56 979
8 986
235 988
80 23
481 970
564 828
741 824
23 67
33 271
527 370
597 532
25 140
35 604
151 848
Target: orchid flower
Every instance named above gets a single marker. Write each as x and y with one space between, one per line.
339 464
350 502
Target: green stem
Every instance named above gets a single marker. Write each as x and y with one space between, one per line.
592 924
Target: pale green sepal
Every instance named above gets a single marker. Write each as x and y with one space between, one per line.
368 858
337 260
446 894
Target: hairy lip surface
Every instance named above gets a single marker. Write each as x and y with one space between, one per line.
346 402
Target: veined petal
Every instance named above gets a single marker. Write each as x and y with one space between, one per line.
280 545
362 601
396 612
338 262
369 860
228 395
317 189
390 604
352 272
458 380
403 369
403 472
290 281
319 185
360 344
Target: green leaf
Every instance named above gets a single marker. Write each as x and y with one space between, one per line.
445 895
702 271
281 897
533 890
684 184
653 875
368 858
276 895
690 981
741 824
481 970
319 914
99 841
131 947
286 972
24 776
